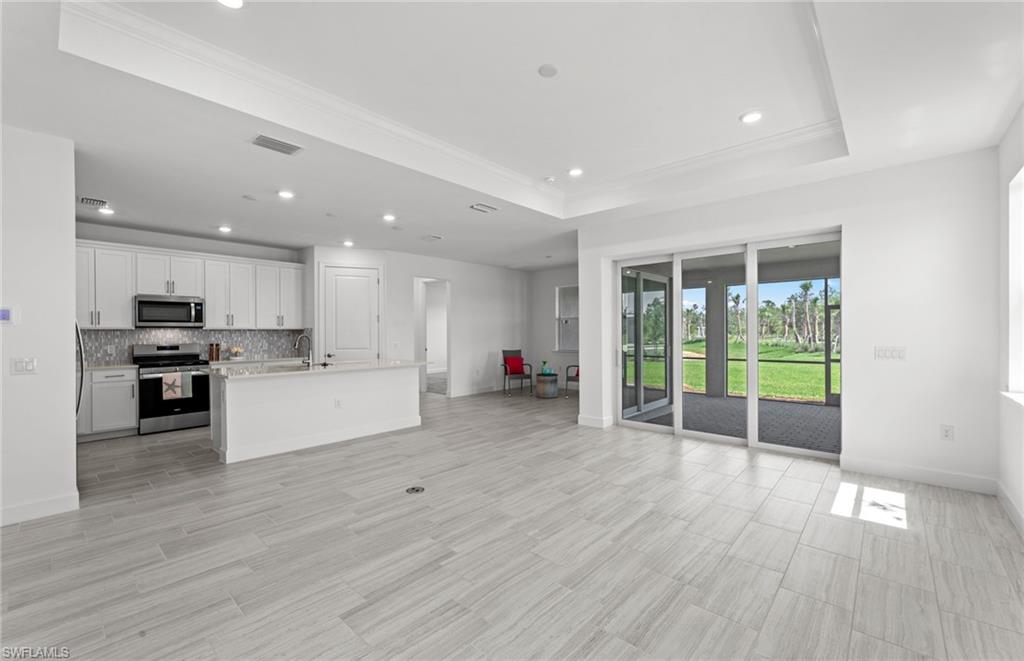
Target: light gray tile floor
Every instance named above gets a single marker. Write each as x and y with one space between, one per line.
534 538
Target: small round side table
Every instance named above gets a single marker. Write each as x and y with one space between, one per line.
546 386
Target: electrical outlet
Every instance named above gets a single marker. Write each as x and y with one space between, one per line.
337 403
890 353
23 366
946 433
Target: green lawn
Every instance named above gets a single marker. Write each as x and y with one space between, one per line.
778 380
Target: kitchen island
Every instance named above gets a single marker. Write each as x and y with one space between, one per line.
263 410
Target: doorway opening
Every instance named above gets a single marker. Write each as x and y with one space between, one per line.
431 300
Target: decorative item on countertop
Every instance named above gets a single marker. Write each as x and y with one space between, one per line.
544 369
236 353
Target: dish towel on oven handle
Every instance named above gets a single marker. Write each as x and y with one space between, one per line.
177 385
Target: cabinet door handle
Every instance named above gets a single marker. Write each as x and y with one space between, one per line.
167 286
92 317
98 317
113 376
172 286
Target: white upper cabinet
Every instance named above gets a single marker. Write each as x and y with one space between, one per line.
268 310
115 288
169 274
152 273
218 291
291 297
187 276
85 287
243 295
230 295
278 297
240 294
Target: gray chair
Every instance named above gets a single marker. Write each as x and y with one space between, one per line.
527 374
572 375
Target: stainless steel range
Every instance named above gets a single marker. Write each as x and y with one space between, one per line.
174 386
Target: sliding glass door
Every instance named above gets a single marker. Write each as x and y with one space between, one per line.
646 354
757 331
798 344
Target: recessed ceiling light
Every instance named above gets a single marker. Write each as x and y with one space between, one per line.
709 282
285 194
348 244
388 217
547 70
576 172
225 229
232 4
751 117
106 211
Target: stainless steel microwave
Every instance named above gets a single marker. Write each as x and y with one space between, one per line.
169 312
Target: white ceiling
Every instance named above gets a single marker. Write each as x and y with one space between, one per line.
424 109
634 91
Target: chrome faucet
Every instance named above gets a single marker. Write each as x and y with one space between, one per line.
308 360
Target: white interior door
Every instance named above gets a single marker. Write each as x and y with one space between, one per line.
351 313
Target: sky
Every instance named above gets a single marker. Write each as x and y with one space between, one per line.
774 291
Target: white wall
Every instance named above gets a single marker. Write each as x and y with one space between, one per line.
436 325
920 246
487 310
38 274
543 327
1011 323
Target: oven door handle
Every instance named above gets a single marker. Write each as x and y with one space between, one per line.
162 374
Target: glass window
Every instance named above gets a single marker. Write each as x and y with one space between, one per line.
568 317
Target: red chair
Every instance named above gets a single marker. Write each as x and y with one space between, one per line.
515 369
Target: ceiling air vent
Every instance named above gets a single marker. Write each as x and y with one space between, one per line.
273 144
92 202
483 208
430 238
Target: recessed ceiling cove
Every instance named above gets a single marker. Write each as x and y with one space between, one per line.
646 100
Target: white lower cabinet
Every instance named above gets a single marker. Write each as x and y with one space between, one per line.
109 401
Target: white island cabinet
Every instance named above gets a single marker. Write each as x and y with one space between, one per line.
271 409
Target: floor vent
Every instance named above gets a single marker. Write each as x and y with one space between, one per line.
414 490
273 144
92 201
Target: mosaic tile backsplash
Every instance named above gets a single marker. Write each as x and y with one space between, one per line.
114 347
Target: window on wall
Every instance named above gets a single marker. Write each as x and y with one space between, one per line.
567 335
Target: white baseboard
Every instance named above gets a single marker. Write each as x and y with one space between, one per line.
476 391
601 422
951 479
1011 508
40 508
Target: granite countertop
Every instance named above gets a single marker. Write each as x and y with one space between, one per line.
244 361
250 372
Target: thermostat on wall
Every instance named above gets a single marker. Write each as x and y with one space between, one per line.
8 315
